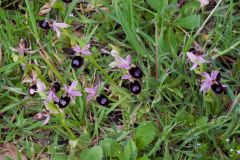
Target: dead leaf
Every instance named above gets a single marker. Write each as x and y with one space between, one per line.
45 9
10 150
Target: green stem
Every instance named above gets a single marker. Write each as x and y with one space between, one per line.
226 50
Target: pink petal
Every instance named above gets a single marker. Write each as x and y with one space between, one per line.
90 90
86 47
122 63
128 59
66 88
41 86
105 51
214 75
205 86
60 25
191 56
86 52
74 84
75 93
114 53
32 91
206 76
77 49
194 66
27 80
89 97
57 31
126 76
47 119
34 76
52 96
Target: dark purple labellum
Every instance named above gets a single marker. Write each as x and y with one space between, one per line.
68 51
218 77
116 116
63 101
102 100
32 90
135 87
56 87
217 88
67 1
135 72
44 24
77 62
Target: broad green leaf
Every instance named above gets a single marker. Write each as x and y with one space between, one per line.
157 5
130 150
94 153
110 147
145 134
190 22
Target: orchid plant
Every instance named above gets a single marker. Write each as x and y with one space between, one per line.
209 80
21 49
119 61
83 51
57 26
196 59
92 92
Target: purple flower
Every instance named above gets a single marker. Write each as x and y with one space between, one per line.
33 78
196 59
43 115
119 61
52 96
41 87
21 49
208 80
71 90
127 76
84 51
57 26
91 92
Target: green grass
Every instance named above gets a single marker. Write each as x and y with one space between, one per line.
170 119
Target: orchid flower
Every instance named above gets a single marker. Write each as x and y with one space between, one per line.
209 80
21 49
84 51
92 92
72 91
33 78
57 26
43 115
119 61
196 59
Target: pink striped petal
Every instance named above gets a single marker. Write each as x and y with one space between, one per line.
194 66
77 49
75 93
206 76
41 87
74 84
214 75
126 76
128 59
